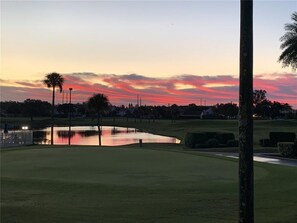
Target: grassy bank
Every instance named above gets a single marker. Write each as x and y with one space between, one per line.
128 184
177 129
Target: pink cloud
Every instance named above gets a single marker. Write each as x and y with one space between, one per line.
123 89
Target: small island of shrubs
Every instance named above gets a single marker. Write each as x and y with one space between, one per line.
285 141
210 140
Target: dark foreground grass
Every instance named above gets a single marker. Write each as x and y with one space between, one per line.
156 184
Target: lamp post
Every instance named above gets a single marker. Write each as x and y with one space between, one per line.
69 131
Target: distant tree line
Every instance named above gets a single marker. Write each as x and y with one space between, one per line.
29 108
262 108
266 109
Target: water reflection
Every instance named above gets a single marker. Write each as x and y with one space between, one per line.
65 134
39 137
88 135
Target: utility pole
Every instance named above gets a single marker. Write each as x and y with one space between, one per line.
66 98
246 172
69 131
137 101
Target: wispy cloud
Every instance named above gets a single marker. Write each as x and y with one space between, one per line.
182 89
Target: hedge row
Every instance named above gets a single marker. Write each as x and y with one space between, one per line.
288 149
210 140
276 137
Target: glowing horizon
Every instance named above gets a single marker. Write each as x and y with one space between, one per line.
182 89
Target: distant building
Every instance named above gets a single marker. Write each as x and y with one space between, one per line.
207 113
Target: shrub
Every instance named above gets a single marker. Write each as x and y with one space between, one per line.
209 139
210 135
189 140
199 145
232 143
287 149
212 143
265 142
223 138
192 139
276 137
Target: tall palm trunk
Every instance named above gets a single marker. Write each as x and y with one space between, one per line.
246 179
99 128
53 80
52 117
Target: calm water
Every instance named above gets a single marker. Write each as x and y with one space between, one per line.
88 135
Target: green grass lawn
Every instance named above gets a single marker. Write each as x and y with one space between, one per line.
156 184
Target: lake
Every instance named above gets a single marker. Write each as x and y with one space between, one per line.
88 135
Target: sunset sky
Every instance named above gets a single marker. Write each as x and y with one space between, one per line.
167 51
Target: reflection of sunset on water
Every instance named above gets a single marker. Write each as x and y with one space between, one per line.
111 136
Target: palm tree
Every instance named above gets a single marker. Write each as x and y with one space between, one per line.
289 45
98 103
53 80
246 172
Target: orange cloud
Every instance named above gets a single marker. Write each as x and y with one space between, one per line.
182 89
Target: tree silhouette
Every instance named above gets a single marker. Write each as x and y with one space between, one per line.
289 45
228 110
53 80
246 172
33 107
259 96
98 103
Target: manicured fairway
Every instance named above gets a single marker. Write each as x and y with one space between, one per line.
158 183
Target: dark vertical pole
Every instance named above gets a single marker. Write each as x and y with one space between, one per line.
99 129
69 131
140 116
246 179
52 117
63 98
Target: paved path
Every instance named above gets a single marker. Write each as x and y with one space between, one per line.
262 157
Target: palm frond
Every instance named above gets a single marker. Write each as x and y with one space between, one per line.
291 27
98 102
53 80
289 44
288 41
294 16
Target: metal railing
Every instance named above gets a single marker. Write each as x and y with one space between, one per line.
16 138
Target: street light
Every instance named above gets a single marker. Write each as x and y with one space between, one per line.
69 131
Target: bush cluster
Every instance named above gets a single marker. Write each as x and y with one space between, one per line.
210 140
276 137
288 149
